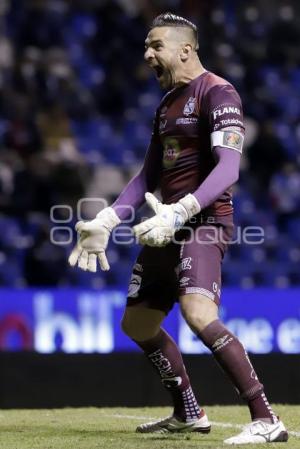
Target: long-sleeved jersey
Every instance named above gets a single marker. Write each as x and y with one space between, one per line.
180 155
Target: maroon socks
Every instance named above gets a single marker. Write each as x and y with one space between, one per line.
233 359
165 356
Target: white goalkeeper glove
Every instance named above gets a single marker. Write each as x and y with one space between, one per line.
160 229
93 240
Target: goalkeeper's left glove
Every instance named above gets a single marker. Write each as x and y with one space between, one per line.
160 229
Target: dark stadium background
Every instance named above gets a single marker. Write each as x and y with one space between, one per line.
76 108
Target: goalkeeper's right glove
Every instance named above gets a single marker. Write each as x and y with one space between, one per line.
93 240
160 229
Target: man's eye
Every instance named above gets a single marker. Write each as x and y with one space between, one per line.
158 47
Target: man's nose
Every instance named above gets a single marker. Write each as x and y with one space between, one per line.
149 54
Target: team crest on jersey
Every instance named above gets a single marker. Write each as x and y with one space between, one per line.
171 152
189 106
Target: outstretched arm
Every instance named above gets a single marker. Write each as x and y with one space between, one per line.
94 234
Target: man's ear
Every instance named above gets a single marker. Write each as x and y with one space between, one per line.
185 52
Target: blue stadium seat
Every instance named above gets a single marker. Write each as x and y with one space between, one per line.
293 229
276 274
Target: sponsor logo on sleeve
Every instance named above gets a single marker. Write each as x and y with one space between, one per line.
184 281
225 109
228 122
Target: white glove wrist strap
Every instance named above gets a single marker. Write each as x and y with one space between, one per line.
191 205
109 217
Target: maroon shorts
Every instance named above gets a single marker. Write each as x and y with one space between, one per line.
192 264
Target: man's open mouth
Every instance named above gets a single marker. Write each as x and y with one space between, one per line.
159 71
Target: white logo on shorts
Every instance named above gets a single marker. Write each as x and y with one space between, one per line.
184 281
138 267
216 289
134 285
185 264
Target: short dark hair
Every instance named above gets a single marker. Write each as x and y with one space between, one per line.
168 19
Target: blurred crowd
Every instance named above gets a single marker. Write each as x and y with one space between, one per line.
76 107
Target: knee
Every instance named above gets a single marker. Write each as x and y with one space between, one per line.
198 312
139 330
127 327
195 321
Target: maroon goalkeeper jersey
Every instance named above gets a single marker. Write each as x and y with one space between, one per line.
184 122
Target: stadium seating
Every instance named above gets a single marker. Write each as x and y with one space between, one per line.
73 57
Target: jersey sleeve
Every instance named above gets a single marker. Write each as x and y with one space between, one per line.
224 108
153 160
225 117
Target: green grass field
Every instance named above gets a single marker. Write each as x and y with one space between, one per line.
89 428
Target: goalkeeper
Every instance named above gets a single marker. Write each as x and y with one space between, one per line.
193 158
